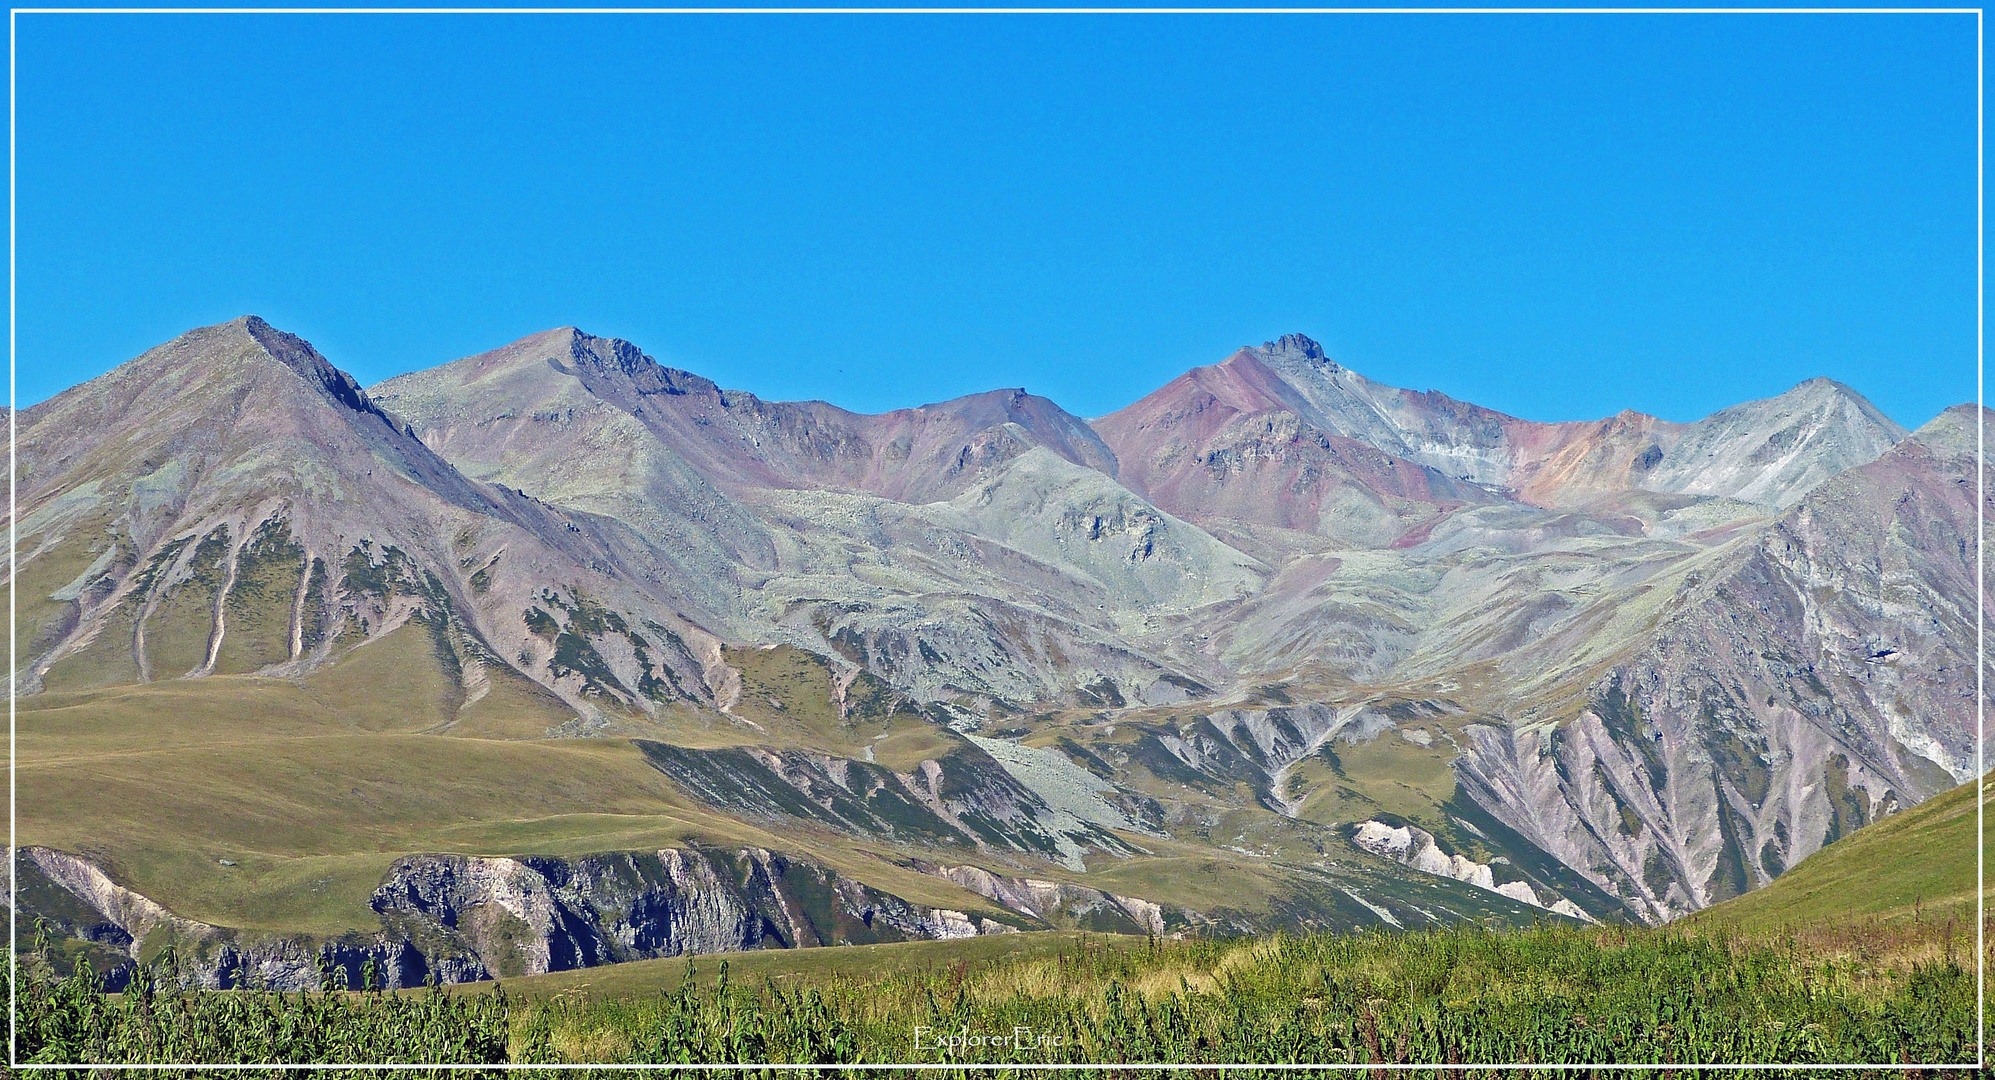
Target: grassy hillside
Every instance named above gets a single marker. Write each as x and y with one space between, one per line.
1914 865
801 967
269 805
1466 995
276 806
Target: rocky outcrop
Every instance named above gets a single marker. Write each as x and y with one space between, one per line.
459 918
964 798
1418 848
529 915
73 899
1061 903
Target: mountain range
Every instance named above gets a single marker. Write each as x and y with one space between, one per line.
1274 645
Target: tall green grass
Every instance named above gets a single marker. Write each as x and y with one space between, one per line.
69 1020
1550 995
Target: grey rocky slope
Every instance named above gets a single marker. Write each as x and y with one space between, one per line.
230 502
1398 538
1817 677
1271 618
986 537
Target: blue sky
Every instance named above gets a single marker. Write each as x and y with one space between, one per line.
1556 216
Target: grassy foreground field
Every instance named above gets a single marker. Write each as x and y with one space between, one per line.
1553 995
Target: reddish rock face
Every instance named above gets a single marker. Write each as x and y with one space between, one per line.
1236 442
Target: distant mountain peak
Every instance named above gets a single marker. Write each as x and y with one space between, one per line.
1006 399
1955 431
228 359
1775 450
1822 385
1294 345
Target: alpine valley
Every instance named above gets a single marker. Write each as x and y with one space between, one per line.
553 657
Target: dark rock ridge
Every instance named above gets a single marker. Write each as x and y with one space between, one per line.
530 915
961 799
459 918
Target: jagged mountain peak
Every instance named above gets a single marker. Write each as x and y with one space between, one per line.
1006 402
565 350
1006 397
562 385
610 356
218 357
238 395
551 373
1278 438
1822 384
1039 419
1296 345
299 355
1821 388
228 412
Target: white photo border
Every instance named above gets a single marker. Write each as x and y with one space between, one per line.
1982 781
